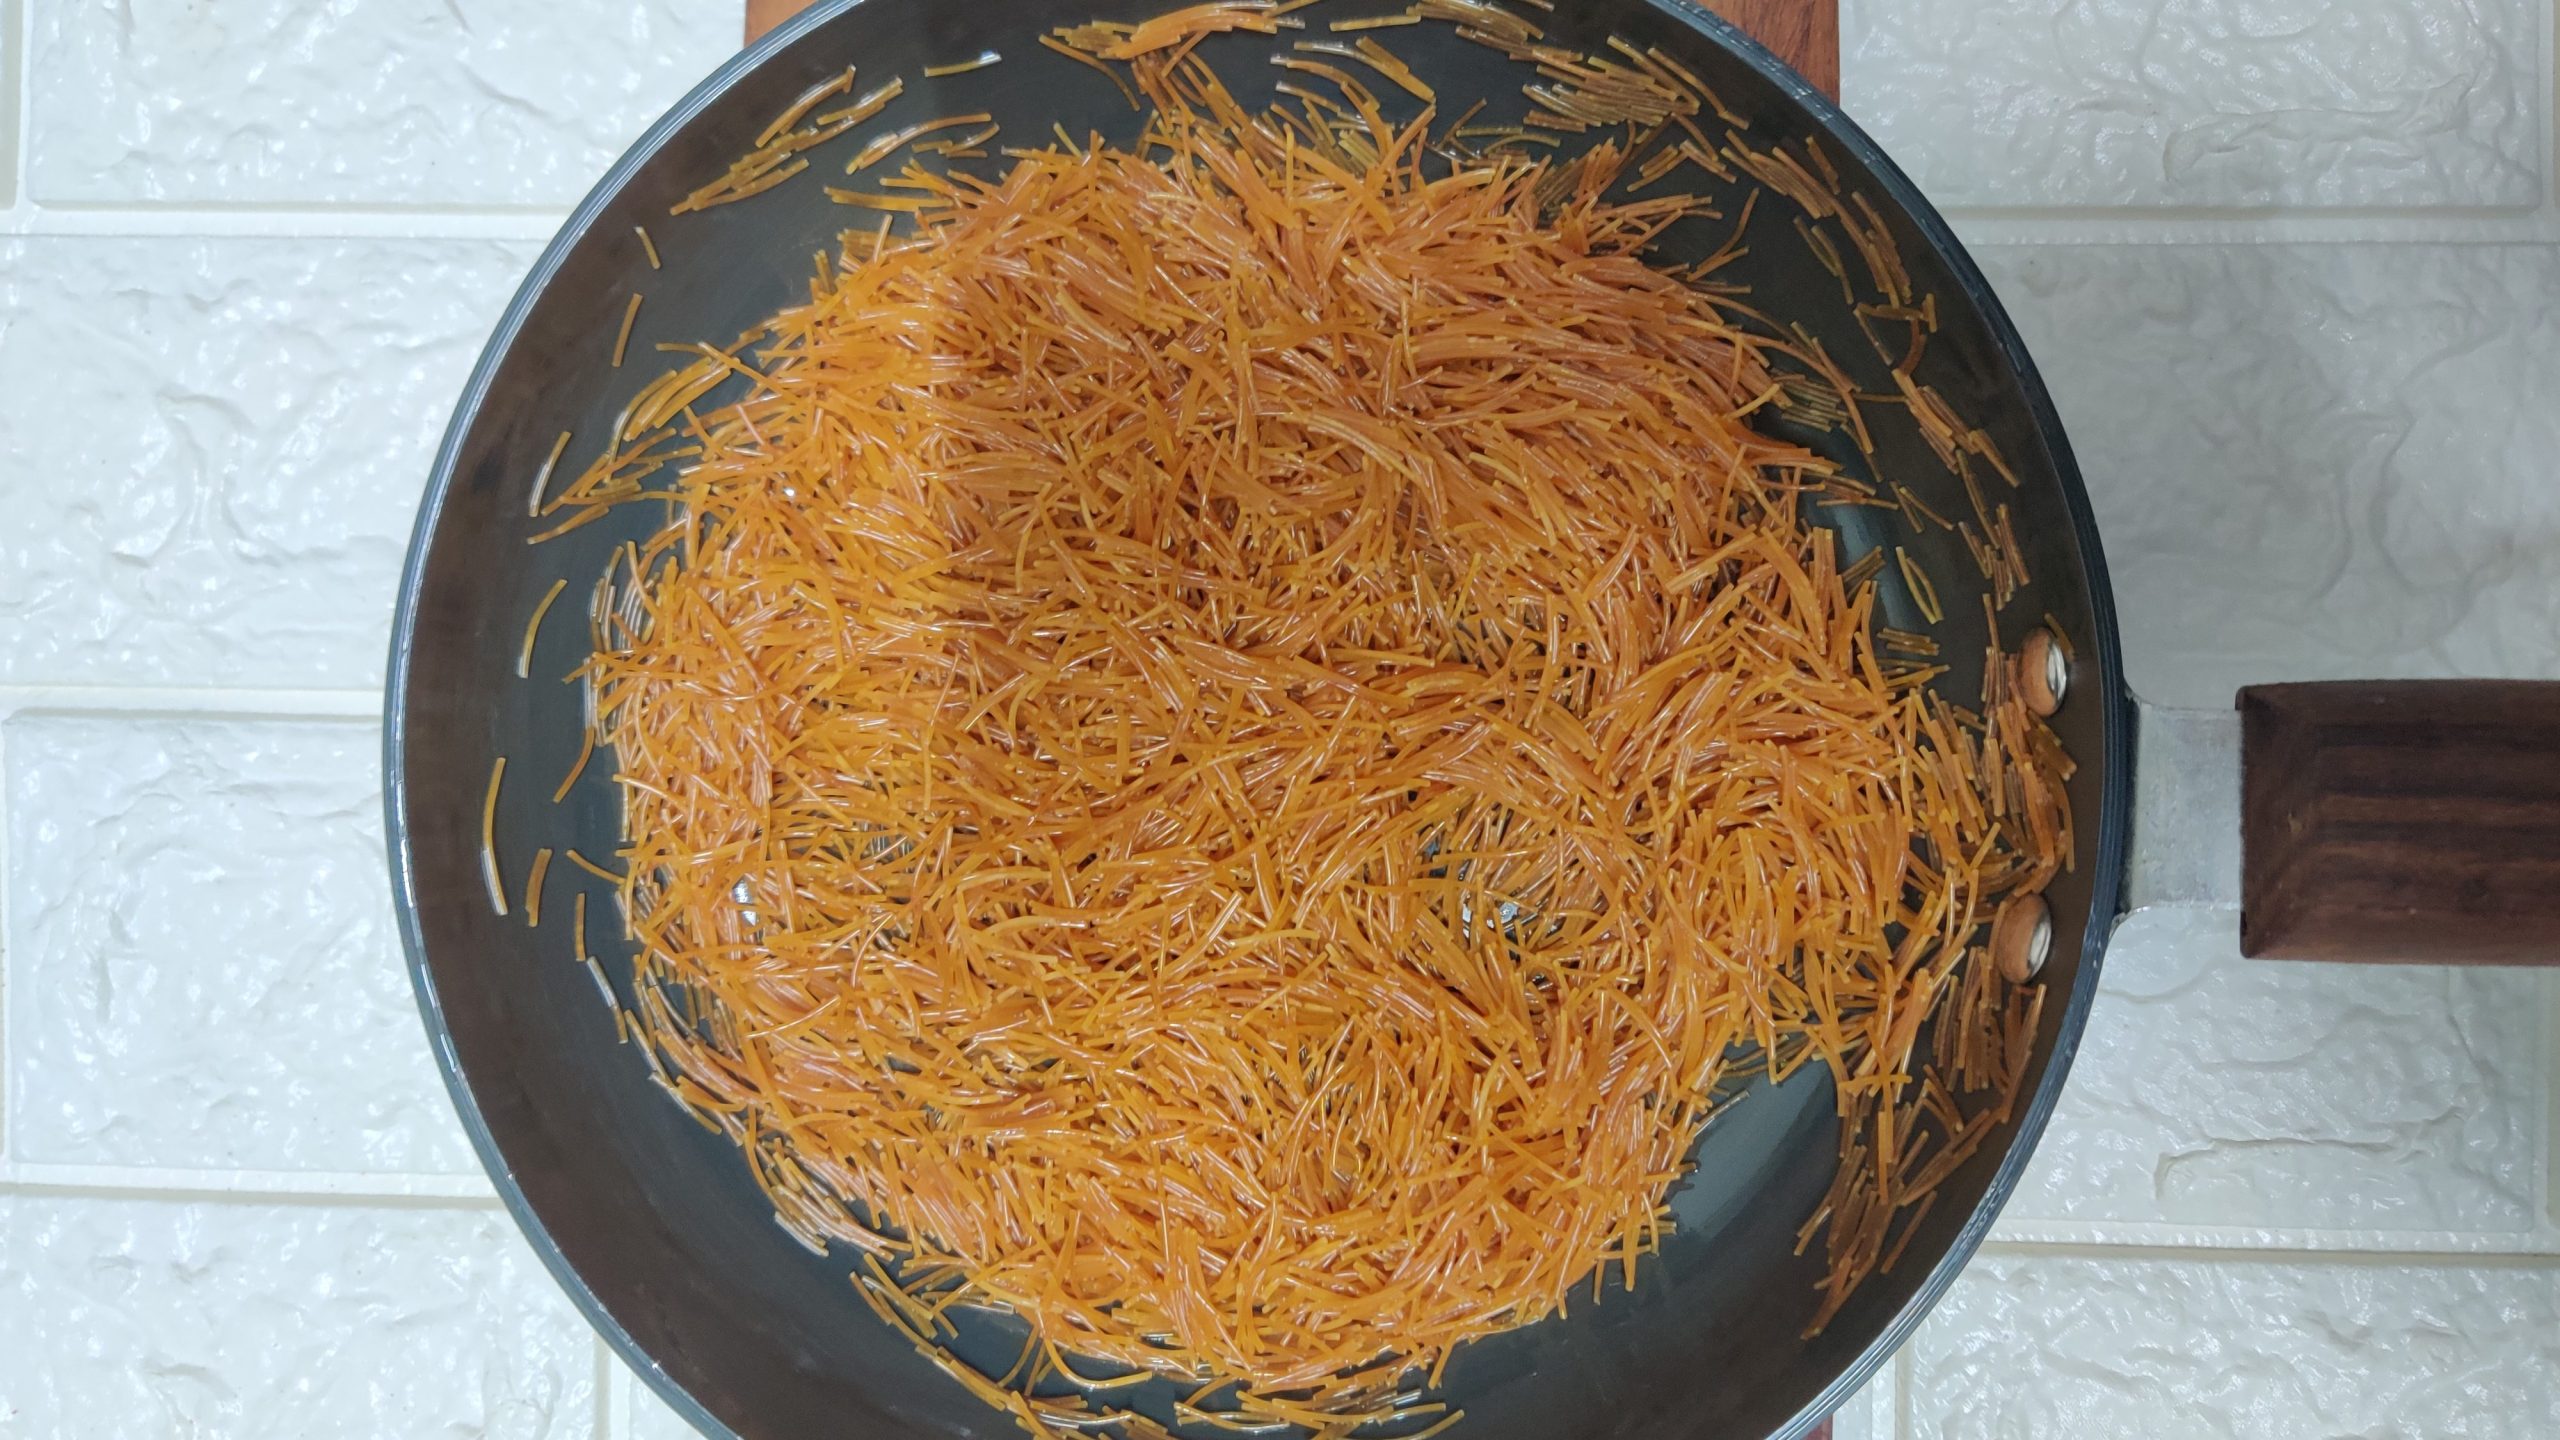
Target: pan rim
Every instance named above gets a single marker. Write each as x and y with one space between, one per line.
2115 819
2109 690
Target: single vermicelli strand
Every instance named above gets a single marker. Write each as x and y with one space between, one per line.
591 867
622 341
533 887
542 477
533 628
489 839
980 61
1238 775
577 767
1924 592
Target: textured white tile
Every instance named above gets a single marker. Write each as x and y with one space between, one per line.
404 102
202 969
141 1319
2027 1348
2253 1096
214 448
2311 462
2372 103
1872 1413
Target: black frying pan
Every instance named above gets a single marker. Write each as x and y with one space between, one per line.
653 1224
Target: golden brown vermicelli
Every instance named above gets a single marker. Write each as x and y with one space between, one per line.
542 477
980 61
622 341
533 627
1232 740
533 887
489 875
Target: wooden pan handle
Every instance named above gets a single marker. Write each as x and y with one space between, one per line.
1804 33
2410 820
763 15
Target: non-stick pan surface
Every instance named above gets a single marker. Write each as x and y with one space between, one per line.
653 1224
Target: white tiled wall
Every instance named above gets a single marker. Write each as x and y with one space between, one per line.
2311 461
215 445
2367 104
135 1314
297 104
2229 1348
2291 266
2220 1101
204 972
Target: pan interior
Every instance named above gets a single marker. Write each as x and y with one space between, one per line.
656 1225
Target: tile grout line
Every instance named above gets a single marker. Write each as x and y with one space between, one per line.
2537 1238
183 1194
631 1396
1900 1419
28 219
2022 227
528 210
2096 1249
15 91
2443 213
2549 1180
184 700
608 1424
8 1114
296 1186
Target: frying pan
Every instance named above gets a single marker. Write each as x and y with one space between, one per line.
654 1225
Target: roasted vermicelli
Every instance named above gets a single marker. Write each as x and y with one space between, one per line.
1233 738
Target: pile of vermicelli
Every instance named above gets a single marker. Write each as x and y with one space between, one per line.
1231 739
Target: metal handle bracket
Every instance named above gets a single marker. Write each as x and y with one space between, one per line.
2186 809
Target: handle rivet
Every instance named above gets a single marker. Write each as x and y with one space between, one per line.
2022 938
2044 673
